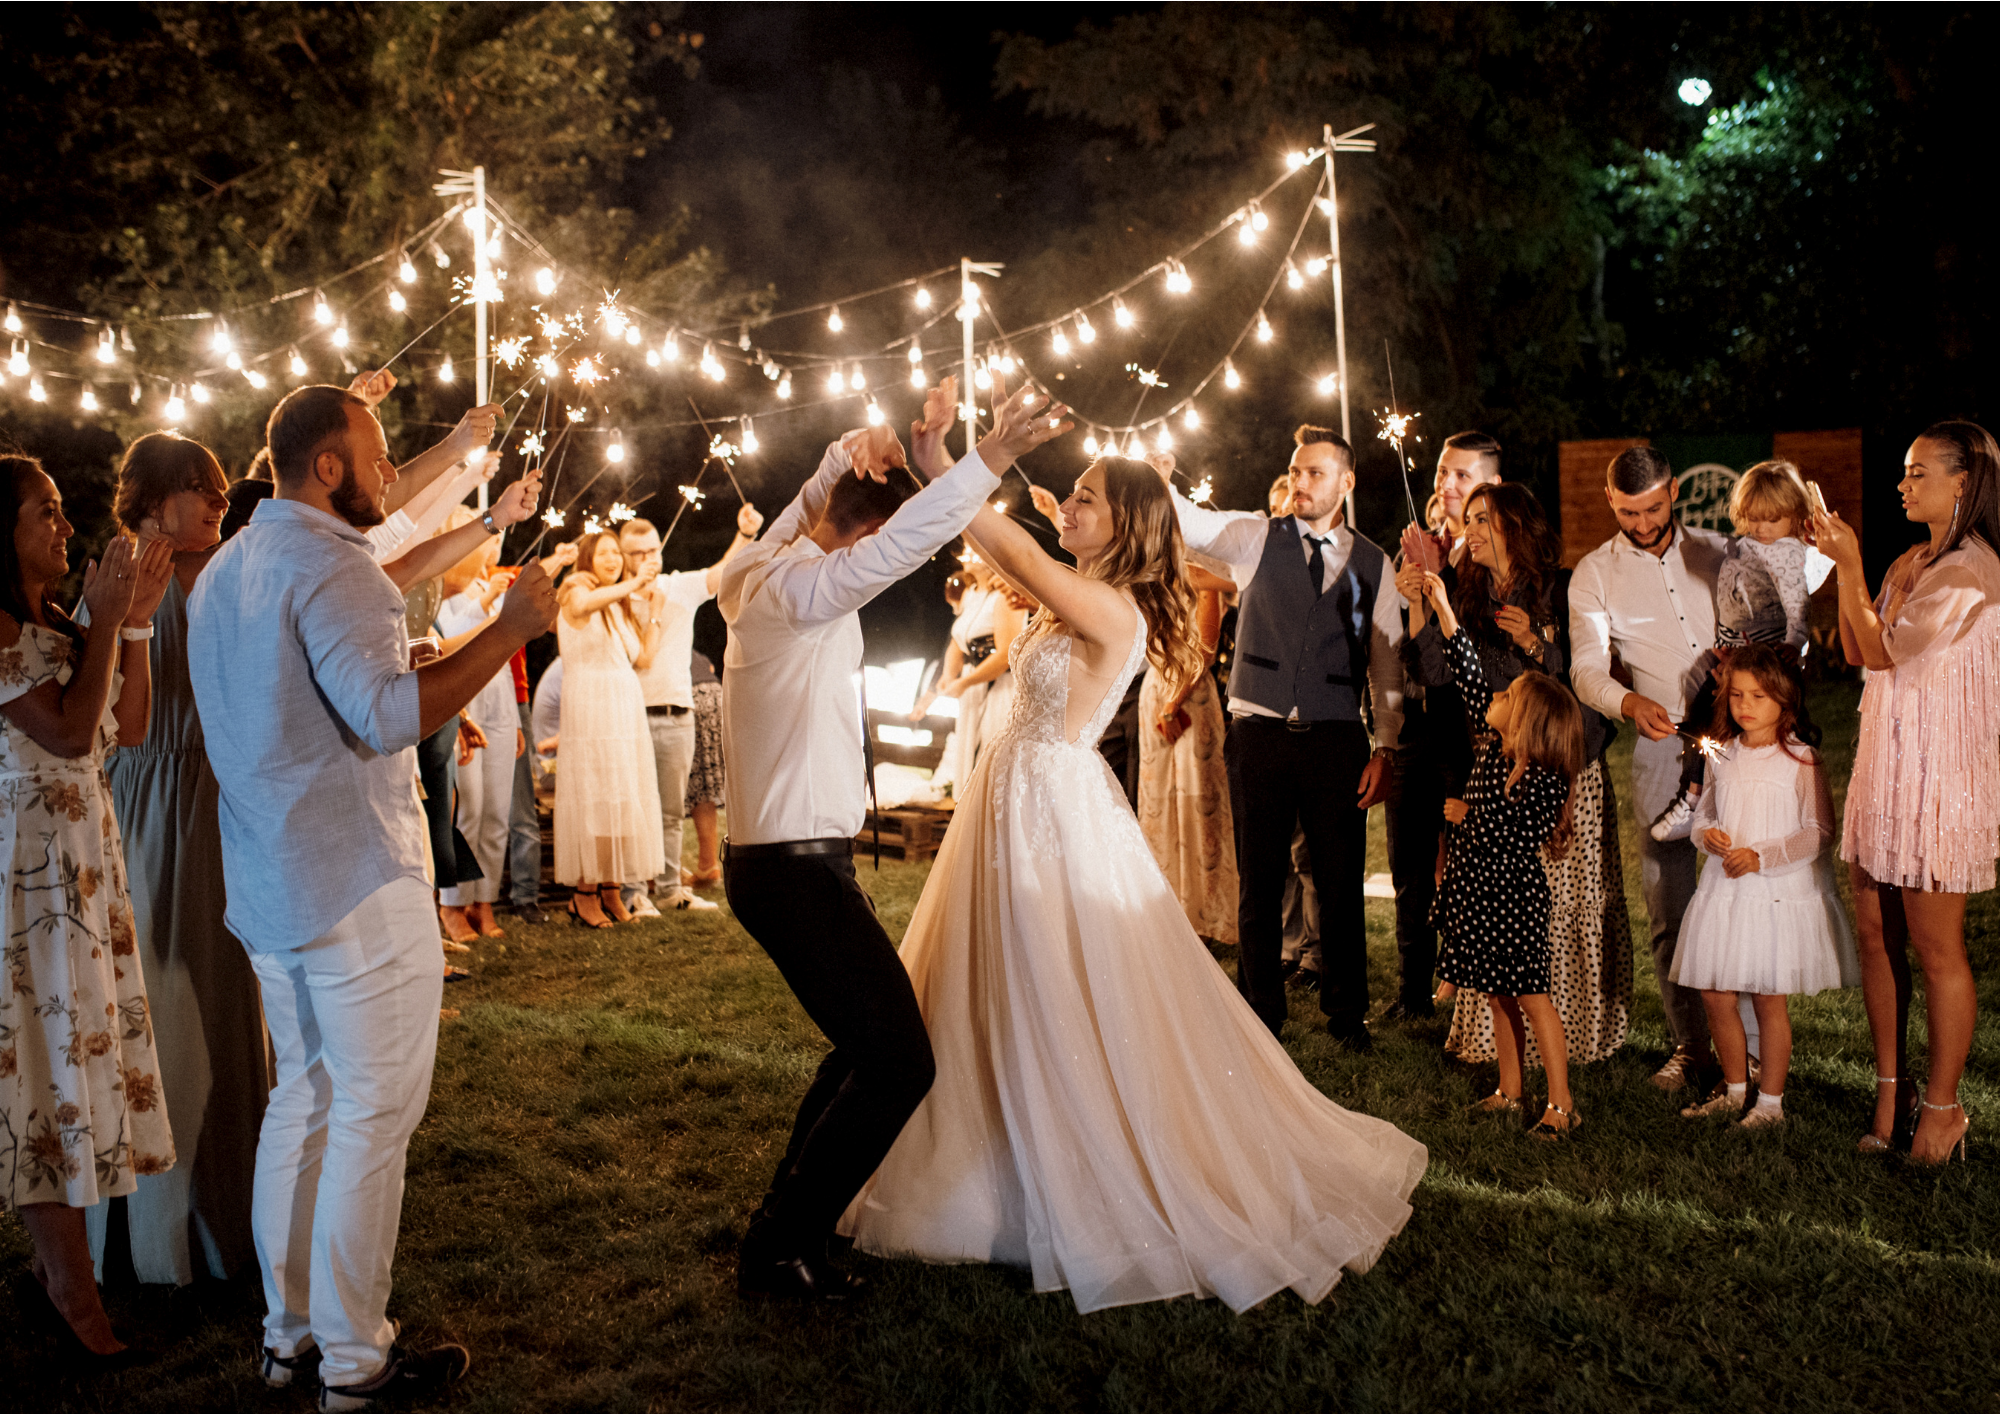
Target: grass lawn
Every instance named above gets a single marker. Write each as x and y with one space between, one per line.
609 1106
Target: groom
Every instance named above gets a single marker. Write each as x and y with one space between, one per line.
792 744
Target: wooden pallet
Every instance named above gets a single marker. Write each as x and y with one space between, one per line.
910 833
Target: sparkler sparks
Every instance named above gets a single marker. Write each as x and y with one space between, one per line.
586 371
510 351
553 518
620 513
693 494
531 447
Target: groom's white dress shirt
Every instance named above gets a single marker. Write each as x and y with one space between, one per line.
1657 611
791 692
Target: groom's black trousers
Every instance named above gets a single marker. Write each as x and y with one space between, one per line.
811 916
1278 775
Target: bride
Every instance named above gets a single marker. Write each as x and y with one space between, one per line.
1108 1112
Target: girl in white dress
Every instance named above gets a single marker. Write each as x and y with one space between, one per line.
1108 1111
1765 919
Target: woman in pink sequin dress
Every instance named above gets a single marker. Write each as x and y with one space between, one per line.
1923 807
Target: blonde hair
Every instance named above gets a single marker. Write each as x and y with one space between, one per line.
1548 732
1770 490
1145 555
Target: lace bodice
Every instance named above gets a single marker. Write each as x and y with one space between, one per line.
1041 665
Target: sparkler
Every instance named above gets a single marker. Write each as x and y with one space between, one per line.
1394 428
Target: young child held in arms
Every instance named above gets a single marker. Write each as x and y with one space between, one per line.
1766 919
1492 909
1760 597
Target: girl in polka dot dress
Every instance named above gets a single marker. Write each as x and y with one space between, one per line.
1765 920
1492 909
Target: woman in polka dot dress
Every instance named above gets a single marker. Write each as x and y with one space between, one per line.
1492 910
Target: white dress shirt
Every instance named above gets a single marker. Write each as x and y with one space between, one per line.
1658 611
1235 539
791 695
668 681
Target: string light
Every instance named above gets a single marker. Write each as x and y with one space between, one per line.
88 401
981 378
922 297
1193 418
1294 161
632 334
615 453
785 387
1178 281
856 380
234 363
36 393
917 379
1061 341
17 361
1120 315
834 322
219 341
1246 234
670 348
13 318
107 347
1164 439
1259 222
298 364
545 282
340 337
1327 383
405 271
255 379
1135 449
1231 379
200 392
397 302
652 358
748 437
916 353
1084 332
875 414
1090 444
836 384
1007 364
1265 333
710 365
135 392
437 254
176 409
1293 278
1316 267
445 371
322 314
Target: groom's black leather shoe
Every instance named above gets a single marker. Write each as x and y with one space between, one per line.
797 1279
1404 1009
1352 1038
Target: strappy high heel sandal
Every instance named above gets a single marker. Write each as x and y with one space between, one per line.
1549 1133
1873 1143
1964 1132
1499 1102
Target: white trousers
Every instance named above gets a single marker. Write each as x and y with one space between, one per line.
354 1020
485 799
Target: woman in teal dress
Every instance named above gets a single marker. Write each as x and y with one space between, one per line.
208 1021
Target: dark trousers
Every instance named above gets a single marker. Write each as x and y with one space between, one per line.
1279 777
437 771
820 928
1119 746
524 827
1415 819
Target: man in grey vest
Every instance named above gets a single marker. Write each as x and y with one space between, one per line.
1315 630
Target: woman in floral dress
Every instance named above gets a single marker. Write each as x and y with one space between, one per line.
81 1114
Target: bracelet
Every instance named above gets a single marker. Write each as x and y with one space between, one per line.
136 635
492 526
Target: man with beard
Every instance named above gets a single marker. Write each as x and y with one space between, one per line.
300 662
1648 594
1317 634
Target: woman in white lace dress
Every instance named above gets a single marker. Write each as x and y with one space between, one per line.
1108 1112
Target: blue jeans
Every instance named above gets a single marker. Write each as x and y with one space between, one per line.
524 828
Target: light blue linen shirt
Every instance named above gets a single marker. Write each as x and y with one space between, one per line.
300 661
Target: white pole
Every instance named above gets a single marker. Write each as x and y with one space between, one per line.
480 372
1339 302
970 400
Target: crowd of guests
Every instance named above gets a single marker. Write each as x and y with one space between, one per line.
206 1021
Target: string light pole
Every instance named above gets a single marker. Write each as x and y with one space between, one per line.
1350 141
484 287
968 316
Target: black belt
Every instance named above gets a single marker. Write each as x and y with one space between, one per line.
668 711
780 849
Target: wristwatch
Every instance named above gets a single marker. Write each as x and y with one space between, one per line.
492 526
136 635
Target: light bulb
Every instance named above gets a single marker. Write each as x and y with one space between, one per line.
107 347
1193 418
834 322
406 272
13 318
652 358
1316 267
1325 205
547 364
670 351
916 353
855 380
1292 276
254 378
1264 331
785 386
917 379
17 362
1084 331
1090 444
1120 315
234 362
321 314
1694 92
176 409
1164 441
969 292
632 334
615 453
134 393
88 402
749 438
299 364
1060 341
1327 384
1135 449
835 382
200 391
397 302
982 379
1258 220
1007 364
340 337
1246 234
1230 377
545 282
493 247
445 371
37 393
219 341
875 417
1294 161
1178 282
922 297
437 254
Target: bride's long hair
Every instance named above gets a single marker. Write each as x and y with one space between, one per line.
1146 556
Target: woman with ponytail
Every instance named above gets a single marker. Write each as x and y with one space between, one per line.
1923 808
1108 1112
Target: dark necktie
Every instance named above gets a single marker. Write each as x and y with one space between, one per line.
1316 563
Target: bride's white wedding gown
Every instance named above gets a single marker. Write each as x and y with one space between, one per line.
1108 1112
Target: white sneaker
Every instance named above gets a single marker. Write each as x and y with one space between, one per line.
1676 822
642 907
690 900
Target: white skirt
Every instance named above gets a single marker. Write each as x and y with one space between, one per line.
1778 934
